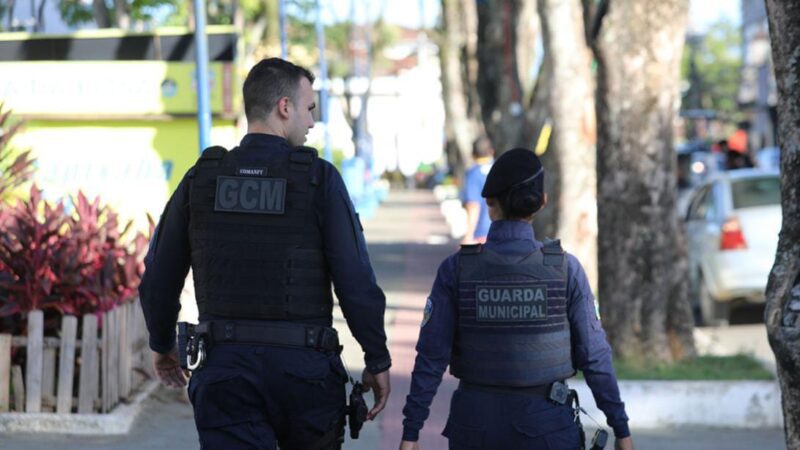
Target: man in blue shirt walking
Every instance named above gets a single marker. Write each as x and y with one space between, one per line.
477 212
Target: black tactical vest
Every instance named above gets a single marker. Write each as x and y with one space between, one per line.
256 244
512 318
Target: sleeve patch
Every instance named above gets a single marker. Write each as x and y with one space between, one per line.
426 314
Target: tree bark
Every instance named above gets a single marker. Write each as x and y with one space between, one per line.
782 312
499 86
638 52
571 107
40 17
101 15
538 115
461 127
123 14
528 35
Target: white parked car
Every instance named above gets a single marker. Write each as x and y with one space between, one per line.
733 223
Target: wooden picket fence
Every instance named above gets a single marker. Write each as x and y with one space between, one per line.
112 358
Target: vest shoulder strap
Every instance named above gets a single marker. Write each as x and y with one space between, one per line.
302 158
470 249
553 253
212 156
213 153
303 155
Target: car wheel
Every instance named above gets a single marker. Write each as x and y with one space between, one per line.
712 312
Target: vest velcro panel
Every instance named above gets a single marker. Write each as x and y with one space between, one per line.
261 266
512 319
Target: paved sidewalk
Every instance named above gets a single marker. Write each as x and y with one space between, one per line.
407 239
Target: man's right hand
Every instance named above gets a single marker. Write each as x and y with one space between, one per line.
380 386
168 369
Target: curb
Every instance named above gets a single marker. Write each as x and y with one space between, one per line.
712 404
118 421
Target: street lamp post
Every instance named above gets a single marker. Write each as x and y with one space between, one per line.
201 75
282 20
323 89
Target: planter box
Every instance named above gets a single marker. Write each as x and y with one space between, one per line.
66 375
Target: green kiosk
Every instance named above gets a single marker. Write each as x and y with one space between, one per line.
113 113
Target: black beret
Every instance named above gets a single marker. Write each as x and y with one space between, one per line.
515 166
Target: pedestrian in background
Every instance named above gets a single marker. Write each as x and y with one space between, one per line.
477 212
266 227
513 318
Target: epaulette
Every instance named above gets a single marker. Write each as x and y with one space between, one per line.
553 253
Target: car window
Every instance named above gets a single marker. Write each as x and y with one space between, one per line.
709 207
754 192
695 206
703 206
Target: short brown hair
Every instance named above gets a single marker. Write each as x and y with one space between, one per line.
269 81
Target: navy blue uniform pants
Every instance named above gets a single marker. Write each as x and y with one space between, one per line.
249 396
501 421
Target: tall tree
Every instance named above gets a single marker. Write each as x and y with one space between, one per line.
122 14
571 107
499 85
457 56
782 313
100 12
642 286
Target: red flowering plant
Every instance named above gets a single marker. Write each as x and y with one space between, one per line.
65 263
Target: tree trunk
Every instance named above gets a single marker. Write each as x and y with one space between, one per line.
461 128
469 56
123 14
101 15
639 51
571 108
782 313
40 17
528 35
498 85
538 116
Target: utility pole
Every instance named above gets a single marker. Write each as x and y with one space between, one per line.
323 89
201 64
282 20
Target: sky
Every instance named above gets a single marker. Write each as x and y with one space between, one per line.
702 13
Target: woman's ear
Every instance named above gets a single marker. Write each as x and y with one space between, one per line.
495 212
544 202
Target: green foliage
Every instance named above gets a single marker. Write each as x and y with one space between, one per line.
717 59
75 12
738 367
16 168
143 10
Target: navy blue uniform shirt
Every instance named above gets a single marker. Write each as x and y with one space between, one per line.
362 301
590 351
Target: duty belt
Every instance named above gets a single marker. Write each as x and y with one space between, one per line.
541 391
207 334
271 333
